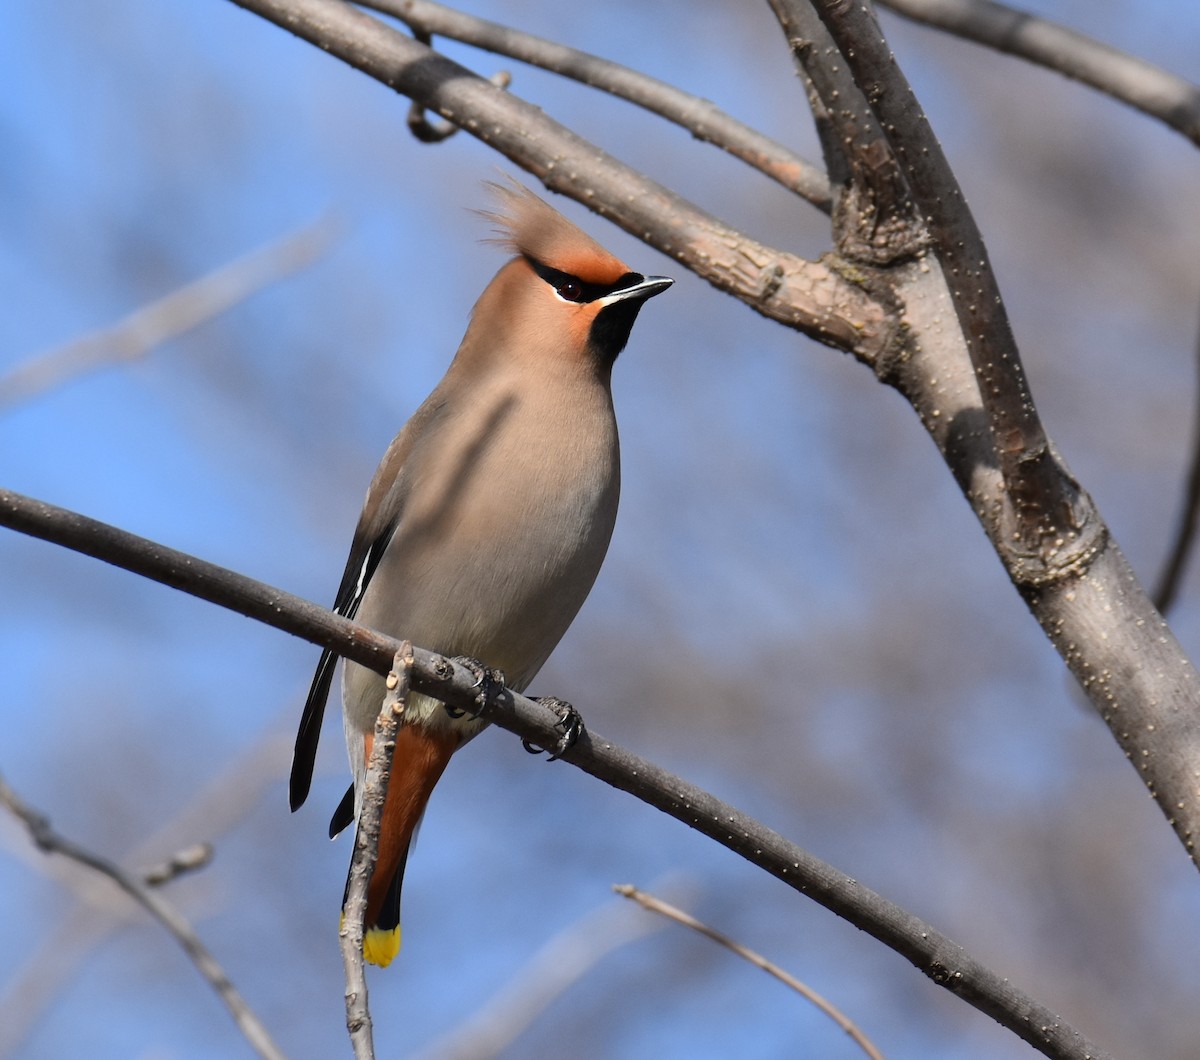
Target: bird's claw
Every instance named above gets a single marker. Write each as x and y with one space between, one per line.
570 726
485 679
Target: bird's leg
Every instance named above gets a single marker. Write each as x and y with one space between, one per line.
570 725
485 680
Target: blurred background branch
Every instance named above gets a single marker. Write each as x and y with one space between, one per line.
51 842
150 326
653 904
561 961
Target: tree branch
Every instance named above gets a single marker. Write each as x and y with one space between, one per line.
1051 525
938 957
86 923
366 850
190 859
971 395
875 221
702 118
1173 570
159 908
809 296
1126 78
657 905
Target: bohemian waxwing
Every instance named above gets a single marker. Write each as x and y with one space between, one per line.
487 520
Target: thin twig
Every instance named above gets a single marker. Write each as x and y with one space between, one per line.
164 912
933 953
425 128
657 905
366 850
1169 581
1126 78
703 119
166 318
190 859
95 915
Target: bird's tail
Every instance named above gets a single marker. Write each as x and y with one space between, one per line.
421 757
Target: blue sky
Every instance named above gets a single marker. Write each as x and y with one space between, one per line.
798 610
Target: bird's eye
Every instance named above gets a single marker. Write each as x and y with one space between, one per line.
571 290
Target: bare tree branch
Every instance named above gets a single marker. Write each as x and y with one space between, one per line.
419 124
366 850
189 307
971 396
158 907
875 221
938 957
190 859
702 118
1180 551
811 296
657 905
95 915
1045 528
1126 78
1055 525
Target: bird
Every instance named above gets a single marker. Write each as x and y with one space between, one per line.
488 518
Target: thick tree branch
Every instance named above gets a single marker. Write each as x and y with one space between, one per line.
937 956
1126 78
971 394
1051 525
809 296
1101 621
702 118
48 840
875 221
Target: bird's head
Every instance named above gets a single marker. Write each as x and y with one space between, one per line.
563 296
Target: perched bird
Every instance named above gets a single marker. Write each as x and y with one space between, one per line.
489 516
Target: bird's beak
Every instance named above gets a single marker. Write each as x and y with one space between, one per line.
646 288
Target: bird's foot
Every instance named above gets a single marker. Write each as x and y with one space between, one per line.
570 727
485 680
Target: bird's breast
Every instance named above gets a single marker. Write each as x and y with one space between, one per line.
506 517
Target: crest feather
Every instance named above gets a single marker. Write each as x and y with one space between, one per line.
534 229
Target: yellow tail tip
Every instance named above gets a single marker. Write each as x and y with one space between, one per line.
380 945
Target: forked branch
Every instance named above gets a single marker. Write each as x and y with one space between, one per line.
176 925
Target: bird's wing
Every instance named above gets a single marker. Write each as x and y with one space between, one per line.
376 525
